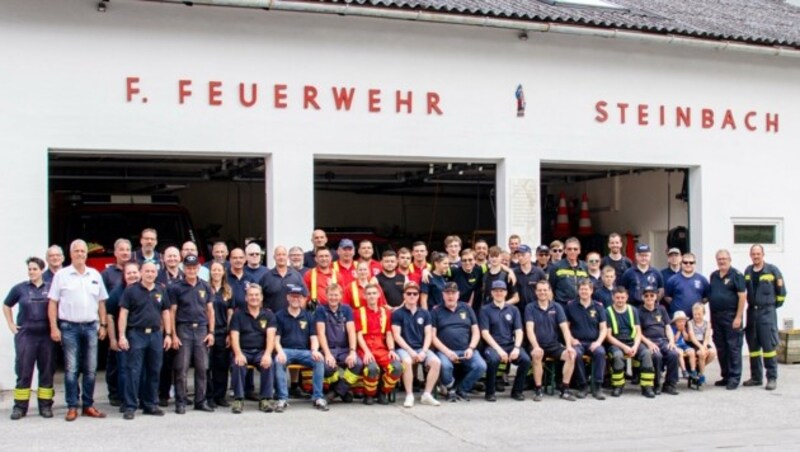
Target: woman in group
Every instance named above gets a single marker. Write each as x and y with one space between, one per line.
219 356
31 340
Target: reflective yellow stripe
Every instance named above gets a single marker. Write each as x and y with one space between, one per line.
565 272
363 312
581 274
22 394
647 378
46 393
615 327
780 298
771 354
356 299
756 353
485 267
314 280
767 277
383 320
747 277
350 376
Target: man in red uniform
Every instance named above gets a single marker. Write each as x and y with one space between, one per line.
320 277
355 291
345 265
404 266
419 253
365 254
376 348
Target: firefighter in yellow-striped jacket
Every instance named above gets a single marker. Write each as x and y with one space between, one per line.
625 341
376 348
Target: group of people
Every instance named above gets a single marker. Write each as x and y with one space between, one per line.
340 324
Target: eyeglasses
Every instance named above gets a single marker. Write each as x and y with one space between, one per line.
572 249
556 250
688 262
593 261
413 294
254 254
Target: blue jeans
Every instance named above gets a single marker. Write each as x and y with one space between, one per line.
303 358
239 373
80 356
474 368
142 369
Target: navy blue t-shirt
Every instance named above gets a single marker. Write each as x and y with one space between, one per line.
723 293
112 278
654 322
469 284
685 292
221 307
668 273
434 289
255 274
546 322
33 303
619 266
412 325
239 289
501 323
295 332
144 305
526 286
584 322
191 301
454 327
604 296
276 287
252 330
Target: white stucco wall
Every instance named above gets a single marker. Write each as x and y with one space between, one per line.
64 68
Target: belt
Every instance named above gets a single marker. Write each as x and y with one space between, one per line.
146 330
192 324
763 306
80 323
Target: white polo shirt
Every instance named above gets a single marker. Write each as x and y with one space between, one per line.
78 295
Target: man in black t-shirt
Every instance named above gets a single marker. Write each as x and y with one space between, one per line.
391 282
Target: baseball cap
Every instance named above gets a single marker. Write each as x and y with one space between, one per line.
450 287
524 249
650 289
642 248
678 315
293 289
411 285
499 285
542 249
190 259
346 243
673 251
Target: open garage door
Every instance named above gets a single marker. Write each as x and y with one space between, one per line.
396 203
104 196
649 203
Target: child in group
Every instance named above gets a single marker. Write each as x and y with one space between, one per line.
700 338
681 334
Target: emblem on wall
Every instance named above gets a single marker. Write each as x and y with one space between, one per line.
520 95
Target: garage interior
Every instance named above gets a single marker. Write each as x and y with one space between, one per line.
396 203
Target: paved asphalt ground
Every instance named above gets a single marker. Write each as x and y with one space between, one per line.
745 419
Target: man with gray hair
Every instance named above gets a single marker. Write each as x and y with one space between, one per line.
254 269
77 299
727 296
112 278
55 259
296 260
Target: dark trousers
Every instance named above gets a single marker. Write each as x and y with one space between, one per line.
598 364
167 374
239 373
219 364
33 349
142 365
664 357
114 372
762 340
728 342
618 364
523 363
192 351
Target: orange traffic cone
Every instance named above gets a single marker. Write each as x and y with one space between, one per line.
584 221
562 218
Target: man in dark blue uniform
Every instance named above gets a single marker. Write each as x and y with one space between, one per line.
625 341
658 338
336 333
192 311
456 336
727 297
527 276
468 277
565 273
276 281
238 279
252 343
144 331
686 288
501 330
766 291
113 278
544 322
587 324
147 253
642 275
296 343
674 257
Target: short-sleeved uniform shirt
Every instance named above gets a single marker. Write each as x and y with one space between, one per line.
221 307
276 287
239 288
724 292
469 283
435 289
604 296
564 278
78 294
545 322
526 286
454 327
33 303
654 322
252 330
620 325
256 273
686 291
144 305
412 325
191 301
488 279
668 273
584 321
112 278
635 281
619 266
392 287
167 279
335 324
295 331
501 323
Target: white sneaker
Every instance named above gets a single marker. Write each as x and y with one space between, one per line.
428 399
409 401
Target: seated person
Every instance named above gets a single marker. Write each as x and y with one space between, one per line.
543 322
681 335
625 341
252 345
377 348
657 336
587 325
700 338
336 333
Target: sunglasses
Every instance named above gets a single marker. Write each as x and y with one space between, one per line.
688 262
593 261
413 294
556 250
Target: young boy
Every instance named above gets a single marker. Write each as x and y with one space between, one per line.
681 336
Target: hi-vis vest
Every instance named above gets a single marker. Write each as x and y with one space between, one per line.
412 269
314 280
356 298
363 312
613 317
